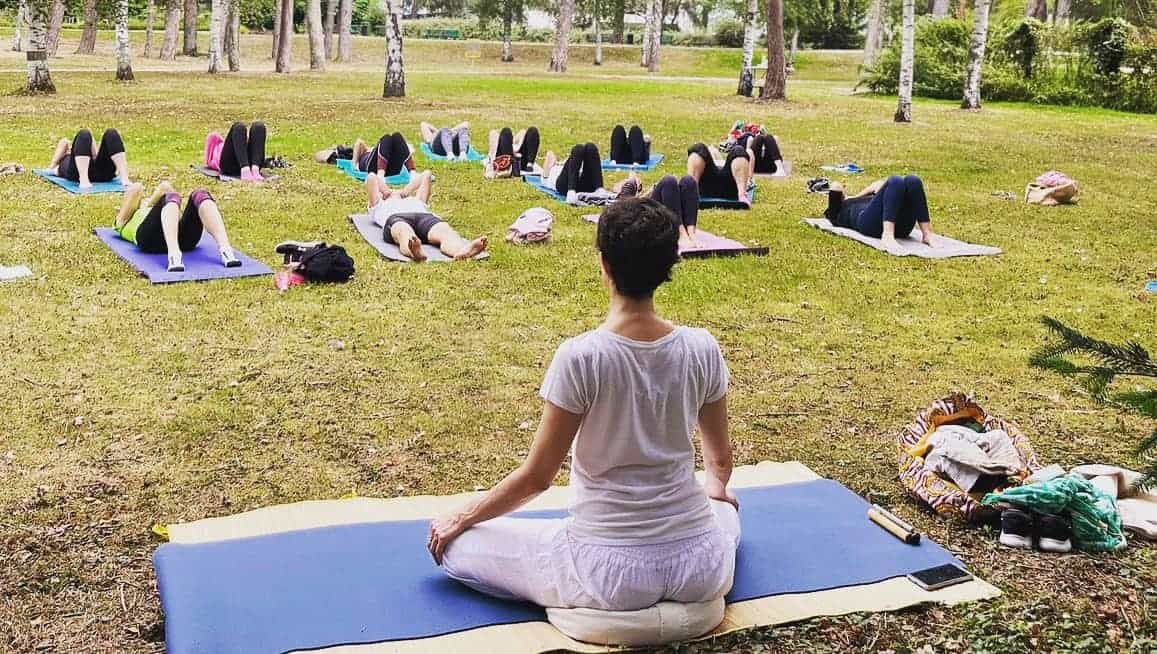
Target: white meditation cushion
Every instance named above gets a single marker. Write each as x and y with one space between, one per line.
663 623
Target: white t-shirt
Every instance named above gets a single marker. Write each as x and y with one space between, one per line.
633 459
381 212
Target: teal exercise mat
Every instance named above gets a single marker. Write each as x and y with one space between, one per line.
472 155
347 167
114 186
651 164
706 202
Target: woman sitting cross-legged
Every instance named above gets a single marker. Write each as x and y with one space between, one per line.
627 397
157 225
885 209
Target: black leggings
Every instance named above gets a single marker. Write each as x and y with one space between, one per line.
766 151
681 196
717 182
583 170
241 150
151 233
389 154
628 148
528 150
101 168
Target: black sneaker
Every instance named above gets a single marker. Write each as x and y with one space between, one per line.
1054 534
819 185
1016 529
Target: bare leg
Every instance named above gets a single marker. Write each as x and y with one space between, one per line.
408 242
741 171
518 138
62 148
926 234
121 161
360 148
170 216
462 125
453 245
428 132
492 150
81 163
695 166
213 223
549 162
750 162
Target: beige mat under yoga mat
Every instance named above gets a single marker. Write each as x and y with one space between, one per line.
534 637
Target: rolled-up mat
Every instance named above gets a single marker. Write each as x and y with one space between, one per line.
375 582
472 155
201 264
651 164
114 186
347 167
945 247
375 236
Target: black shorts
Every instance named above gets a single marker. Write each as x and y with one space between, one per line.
421 223
719 182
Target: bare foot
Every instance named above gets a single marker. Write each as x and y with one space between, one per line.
893 248
84 187
473 249
413 249
929 240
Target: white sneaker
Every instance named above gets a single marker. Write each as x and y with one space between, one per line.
176 264
228 259
572 197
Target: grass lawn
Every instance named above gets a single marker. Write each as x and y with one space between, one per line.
126 404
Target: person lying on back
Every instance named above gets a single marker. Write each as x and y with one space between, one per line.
406 219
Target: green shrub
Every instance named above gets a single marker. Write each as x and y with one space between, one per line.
1108 44
695 39
729 34
1022 45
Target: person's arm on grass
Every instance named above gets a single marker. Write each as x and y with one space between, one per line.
555 434
717 458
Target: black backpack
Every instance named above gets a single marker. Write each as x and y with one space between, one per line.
326 263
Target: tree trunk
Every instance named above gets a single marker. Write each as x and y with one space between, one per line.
750 35
794 46
648 32
598 33
941 8
55 22
190 45
1062 11
18 24
285 42
88 36
413 9
172 27
775 84
150 18
558 58
976 55
656 36
1038 9
507 21
39 79
124 48
907 60
618 23
395 84
233 35
277 5
327 27
875 38
216 38
344 40
316 38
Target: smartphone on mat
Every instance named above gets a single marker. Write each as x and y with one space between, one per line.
939 577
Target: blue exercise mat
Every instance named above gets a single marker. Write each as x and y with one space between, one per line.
537 182
375 582
114 186
651 164
1151 286
347 167
724 203
472 155
201 264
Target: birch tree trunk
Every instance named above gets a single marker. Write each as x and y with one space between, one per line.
17 31
775 84
618 24
150 18
507 21
1062 11
907 57
124 48
233 35
794 47
648 32
976 55
39 79
190 44
327 27
875 38
172 27
316 37
395 84
88 36
344 40
940 8
598 34
277 5
285 42
656 35
55 23
558 58
750 25
216 38
1038 9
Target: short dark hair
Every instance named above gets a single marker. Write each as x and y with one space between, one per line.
639 241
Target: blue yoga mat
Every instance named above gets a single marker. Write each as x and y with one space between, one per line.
375 582
472 155
537 182
651 164
114 186
724 203
1151 286
347 167
201 264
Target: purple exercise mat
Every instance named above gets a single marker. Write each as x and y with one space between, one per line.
200 264
710 245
